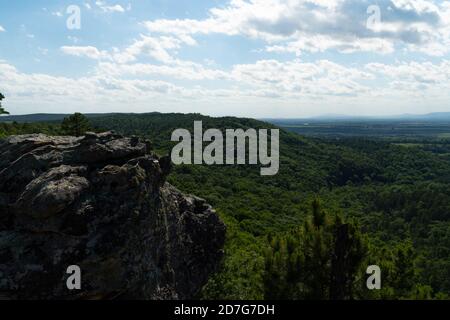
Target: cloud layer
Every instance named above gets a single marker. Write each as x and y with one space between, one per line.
298 67
313 25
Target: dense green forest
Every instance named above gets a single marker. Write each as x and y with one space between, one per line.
7 129
334 205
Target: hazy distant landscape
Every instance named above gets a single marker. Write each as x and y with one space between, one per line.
433 125
390 177
436 125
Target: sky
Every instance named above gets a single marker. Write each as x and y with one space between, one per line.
251 58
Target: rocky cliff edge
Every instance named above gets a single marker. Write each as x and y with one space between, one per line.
99 202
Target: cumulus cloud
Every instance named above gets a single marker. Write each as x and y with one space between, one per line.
425 73
111 8
98 88
321 43
2 29
150 68
320 84
420 25
296 79
87 51
178 70
159 48
154 47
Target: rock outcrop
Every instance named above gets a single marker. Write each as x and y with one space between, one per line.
99 202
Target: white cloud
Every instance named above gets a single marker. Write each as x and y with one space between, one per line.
320 43
84 91
178 70
154 47
111 8
149 69
425 73
418 25
2 29
88 51
297 79
265 88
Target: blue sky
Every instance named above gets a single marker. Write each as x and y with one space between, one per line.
254 58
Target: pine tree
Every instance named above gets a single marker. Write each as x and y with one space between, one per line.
2 111
319 260
347 256
318 214
75 125
405 278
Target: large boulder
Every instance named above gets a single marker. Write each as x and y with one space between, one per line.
100 202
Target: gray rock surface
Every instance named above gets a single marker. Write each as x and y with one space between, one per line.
100 202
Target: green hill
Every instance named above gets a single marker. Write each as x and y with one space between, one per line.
44 117
399 195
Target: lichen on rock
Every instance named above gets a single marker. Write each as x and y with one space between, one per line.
100 202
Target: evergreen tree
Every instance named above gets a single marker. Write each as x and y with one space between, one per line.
399 274
318 214
405 278
2 111
319 260
75 125
348 253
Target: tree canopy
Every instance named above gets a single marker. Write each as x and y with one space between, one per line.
319 260
382 202
75 125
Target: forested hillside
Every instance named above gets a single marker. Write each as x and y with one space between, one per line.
399 197
7 129
392 200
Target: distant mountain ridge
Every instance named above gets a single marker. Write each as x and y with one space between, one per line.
44 117
435 116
